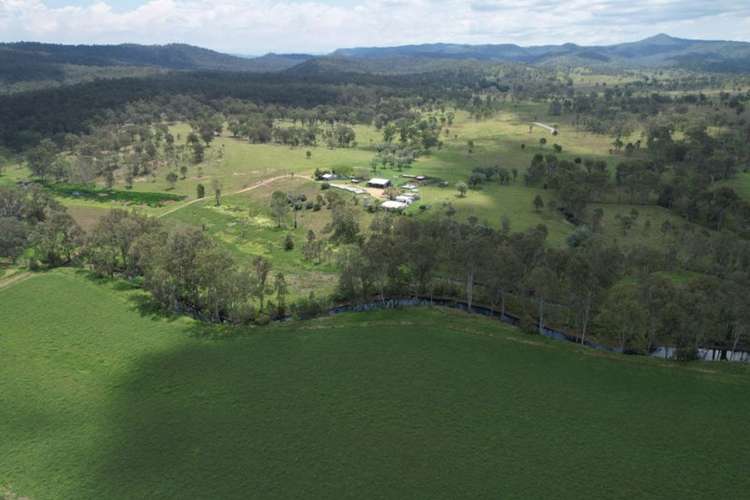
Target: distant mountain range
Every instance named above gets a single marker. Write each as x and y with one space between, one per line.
658 51
173 56
29 61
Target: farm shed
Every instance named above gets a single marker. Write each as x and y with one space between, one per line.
393 205
379 183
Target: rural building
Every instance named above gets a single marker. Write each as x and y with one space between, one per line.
393 205
328 177
405 199
351 189
379 183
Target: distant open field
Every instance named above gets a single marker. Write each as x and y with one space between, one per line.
101 399
498 141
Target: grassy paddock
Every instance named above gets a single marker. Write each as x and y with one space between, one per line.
99 398
243 224
497 141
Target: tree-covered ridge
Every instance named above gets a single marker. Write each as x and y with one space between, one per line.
28 66
50 63
658 51
53 113
172 56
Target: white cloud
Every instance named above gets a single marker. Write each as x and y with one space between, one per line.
256 26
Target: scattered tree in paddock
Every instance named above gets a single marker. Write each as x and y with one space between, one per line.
216 186
262 268
288 242
279 206
172 179
538 203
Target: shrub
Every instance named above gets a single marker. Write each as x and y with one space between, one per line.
288 243
686 353
529 324
308 307
242 314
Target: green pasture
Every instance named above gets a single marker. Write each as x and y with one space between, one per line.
237 165
244 224
102 398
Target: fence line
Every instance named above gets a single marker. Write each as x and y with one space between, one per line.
664 352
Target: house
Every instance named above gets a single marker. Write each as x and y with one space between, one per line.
393 205
379 183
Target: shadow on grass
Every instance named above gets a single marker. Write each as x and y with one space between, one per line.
141 302
117 284
399 415
144 304
270 419
92 193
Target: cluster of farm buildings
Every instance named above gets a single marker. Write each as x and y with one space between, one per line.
408 195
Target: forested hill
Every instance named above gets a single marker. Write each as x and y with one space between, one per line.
658 51
43 62
32 65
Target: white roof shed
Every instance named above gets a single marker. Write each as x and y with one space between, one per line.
393 205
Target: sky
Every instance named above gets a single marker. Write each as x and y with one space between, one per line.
320 26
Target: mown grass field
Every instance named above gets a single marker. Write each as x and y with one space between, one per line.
101 399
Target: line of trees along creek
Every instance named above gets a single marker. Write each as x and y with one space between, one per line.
626 297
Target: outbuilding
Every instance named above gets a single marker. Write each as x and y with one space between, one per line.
351 189
393 205
379 183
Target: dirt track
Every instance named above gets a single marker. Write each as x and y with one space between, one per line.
243 190
14 279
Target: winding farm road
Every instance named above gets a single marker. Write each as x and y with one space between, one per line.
243 190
